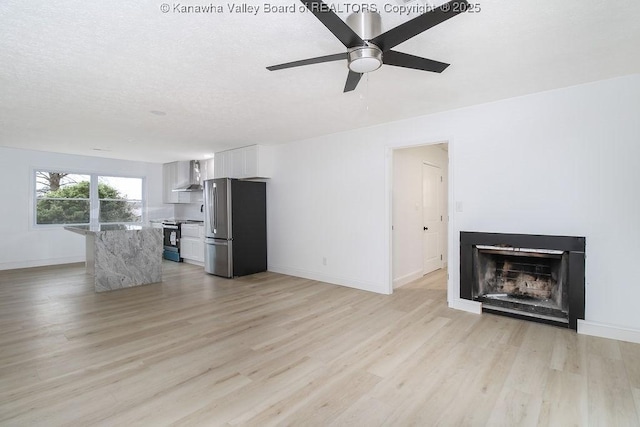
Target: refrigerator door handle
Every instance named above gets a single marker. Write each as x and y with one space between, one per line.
209 211
214 227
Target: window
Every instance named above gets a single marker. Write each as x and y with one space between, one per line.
120 199
62 198
68 198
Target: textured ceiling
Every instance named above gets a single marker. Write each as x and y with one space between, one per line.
76 76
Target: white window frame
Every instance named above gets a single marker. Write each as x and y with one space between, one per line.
94 201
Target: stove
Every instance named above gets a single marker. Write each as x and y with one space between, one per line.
172 231
171 244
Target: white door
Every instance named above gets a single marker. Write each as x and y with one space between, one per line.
431 218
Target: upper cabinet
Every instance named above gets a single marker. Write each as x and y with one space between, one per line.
207 167
176 175
254 161
221 164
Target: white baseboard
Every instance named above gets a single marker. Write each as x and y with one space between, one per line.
327 278
407 278
190 261
608 331
466 305
40 262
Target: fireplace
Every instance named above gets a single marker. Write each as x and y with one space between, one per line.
533 277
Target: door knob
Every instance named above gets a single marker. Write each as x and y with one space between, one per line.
425 228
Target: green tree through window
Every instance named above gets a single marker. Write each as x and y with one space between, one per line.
115 208
69 201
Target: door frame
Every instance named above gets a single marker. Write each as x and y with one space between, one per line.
453 294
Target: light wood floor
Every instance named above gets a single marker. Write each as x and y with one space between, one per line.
277 350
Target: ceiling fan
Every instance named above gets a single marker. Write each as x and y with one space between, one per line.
367 49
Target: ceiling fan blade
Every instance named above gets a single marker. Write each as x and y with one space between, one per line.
405 60
417 25
337 26
316 60
352 81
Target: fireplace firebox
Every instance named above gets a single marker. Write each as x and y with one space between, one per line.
533 277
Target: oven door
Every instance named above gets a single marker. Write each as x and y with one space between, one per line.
171 233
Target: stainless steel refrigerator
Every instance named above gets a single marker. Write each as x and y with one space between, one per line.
235 222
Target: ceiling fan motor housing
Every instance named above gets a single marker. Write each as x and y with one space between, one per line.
366 24
364 59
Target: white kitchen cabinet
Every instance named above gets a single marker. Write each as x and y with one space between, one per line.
174 175
192 243
207 168
236 163
168 178
254 161
192 249
221 164
190 230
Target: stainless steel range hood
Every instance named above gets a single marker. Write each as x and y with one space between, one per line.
194 178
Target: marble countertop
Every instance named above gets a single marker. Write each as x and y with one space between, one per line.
186 221
92 229
122 255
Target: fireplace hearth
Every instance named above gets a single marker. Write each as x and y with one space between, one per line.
534 277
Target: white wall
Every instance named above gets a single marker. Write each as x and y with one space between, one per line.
325 201
188 211
407 218
26 246
558 162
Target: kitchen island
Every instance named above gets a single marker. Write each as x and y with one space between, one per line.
122 256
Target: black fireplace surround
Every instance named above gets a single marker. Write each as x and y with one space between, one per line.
532 277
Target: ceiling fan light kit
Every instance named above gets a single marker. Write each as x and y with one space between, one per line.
367 48
365 59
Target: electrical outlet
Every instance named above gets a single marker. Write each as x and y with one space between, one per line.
324 260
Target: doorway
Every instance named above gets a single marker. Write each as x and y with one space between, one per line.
419 211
